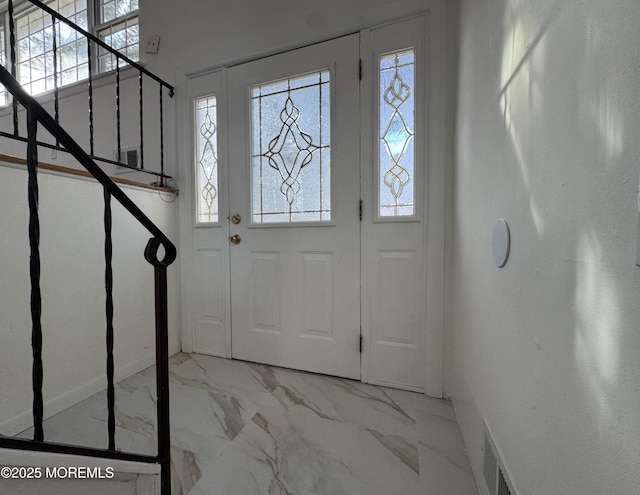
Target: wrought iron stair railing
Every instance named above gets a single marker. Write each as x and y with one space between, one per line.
37 115
94 46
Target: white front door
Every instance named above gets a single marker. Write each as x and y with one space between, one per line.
294 186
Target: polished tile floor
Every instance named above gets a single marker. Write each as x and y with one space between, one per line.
241 429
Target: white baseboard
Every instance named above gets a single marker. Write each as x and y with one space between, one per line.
400 386
24 420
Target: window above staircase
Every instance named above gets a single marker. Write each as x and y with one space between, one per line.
59 49
43 55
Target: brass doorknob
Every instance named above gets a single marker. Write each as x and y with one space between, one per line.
235 239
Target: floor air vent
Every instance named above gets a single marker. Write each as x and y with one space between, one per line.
503 487
493 468
490 467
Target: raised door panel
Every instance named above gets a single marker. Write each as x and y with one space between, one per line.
210 315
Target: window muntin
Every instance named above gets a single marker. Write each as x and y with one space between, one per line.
118 26
206 160
111 10
396 148
125 38
291 150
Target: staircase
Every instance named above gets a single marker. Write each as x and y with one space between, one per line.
32 457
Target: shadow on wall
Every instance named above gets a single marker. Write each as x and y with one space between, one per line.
559 160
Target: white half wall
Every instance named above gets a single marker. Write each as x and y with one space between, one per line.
73 294
74 118
547 349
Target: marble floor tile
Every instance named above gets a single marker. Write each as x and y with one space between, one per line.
383 409
443 436
438 475
244 428
444 465
290 449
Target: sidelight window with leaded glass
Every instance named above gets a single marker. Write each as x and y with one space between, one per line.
206 158
291 150
396 156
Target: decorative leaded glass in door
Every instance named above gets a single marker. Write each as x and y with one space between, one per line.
206 158
396 150
291 153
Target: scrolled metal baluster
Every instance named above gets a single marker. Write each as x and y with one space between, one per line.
118 106
90 69
108 257
34 269
162 352
161 140
55 74
141 124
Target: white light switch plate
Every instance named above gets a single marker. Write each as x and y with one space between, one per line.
152 43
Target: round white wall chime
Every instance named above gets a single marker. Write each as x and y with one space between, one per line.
500 242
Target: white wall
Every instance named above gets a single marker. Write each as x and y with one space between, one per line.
73 296
547 348
199 34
